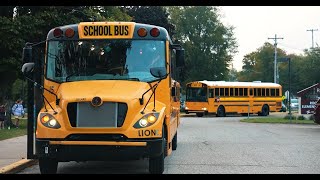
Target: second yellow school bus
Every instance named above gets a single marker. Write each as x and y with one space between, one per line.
221 98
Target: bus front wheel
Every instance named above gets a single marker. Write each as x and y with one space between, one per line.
48 166
156 164
199 114
221 112
265 110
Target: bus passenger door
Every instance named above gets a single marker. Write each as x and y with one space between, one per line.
211 98
250 105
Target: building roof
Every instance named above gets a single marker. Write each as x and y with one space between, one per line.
299 93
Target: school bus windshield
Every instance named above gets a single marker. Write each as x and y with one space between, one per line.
196 94
104 59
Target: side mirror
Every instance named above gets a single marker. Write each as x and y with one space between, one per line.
159 72
180 57
27 54
27 68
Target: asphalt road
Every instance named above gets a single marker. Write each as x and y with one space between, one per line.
212 145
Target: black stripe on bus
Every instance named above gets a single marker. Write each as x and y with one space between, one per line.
233 101
263 101
236 105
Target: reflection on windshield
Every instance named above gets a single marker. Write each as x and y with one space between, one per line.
104 59
196 94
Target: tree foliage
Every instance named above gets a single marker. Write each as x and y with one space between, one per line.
23 24
154 15
209 45
259 66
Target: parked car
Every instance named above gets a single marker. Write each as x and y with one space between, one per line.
294 104
182 106
283 108
316 112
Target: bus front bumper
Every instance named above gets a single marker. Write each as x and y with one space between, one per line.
98 150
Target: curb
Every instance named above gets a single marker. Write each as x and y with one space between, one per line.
18 166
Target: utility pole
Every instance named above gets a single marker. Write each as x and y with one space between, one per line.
312 34
275 58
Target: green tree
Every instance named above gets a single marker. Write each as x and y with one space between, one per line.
209 45
23 24
259 65
154 15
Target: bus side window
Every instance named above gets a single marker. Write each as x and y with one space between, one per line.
221 91
277 92
240 91
245 91
236 93
211 93
273 92
216 92
259 91
251 92
226 91
267 92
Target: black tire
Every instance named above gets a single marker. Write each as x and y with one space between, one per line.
265 110
48 166
156 164
221 112
199 114
175 141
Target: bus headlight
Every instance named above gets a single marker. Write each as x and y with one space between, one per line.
49 121
146 120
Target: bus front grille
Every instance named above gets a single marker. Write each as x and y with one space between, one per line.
109 114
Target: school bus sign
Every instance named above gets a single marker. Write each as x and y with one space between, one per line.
101 30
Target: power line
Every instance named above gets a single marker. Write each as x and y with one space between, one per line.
290 47
312 34
276 77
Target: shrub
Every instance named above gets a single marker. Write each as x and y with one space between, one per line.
311 117
301 117
288 117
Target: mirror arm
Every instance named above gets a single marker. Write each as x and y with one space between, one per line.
153 91
41 87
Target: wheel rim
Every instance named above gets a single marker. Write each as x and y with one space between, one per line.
220 111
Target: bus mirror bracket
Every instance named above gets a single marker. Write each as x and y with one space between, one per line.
180 62
27 53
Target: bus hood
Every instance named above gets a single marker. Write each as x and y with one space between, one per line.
113 90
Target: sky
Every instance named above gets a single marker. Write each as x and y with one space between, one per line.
255 24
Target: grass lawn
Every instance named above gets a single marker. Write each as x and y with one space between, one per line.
14 132
276 120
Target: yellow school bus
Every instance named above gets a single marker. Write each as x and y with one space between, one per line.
221 98
105 91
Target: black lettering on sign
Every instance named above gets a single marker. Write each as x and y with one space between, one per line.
85 29
96 30
105 30
146 133
119 30
116 30
101 29
126 30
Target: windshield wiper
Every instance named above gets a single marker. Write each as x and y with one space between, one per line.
134 79
73 74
